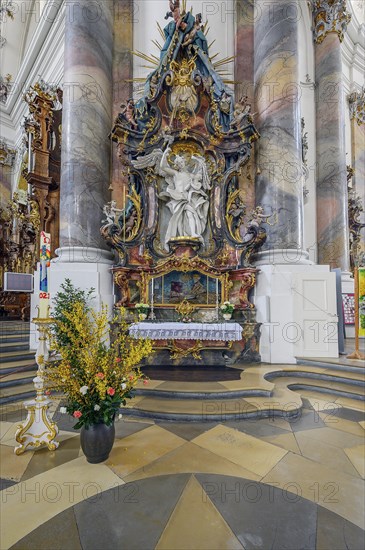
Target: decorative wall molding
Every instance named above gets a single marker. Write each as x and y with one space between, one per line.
329 16
43 57
7 9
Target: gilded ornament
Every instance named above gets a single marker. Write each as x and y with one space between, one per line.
185 309
329 16
177 352
357 106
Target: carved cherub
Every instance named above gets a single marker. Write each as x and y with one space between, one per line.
258 217
110 210
153 85
129 113
225 103
175 14
241 110
168 139
189 38
207 83
130 223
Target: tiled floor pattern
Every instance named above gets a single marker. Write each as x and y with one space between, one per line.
269 483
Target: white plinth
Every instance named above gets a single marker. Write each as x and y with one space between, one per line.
281 306
84 275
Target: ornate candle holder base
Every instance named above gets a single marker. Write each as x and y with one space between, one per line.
38 430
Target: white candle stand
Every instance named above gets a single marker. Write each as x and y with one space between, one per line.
38 430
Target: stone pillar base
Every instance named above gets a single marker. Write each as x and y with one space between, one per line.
72 264
285 323
282 256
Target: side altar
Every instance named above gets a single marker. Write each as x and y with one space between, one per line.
183 235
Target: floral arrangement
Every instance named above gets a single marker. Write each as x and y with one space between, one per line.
227 307
142 308
96 377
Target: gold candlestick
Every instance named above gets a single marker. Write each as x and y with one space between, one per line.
38 430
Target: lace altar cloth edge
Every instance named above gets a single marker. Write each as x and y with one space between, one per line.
187 331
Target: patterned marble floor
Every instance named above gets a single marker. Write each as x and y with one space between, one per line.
268 483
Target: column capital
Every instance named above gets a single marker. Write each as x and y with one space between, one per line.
357 106
329 16
7 154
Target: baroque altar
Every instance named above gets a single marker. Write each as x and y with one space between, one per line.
183 234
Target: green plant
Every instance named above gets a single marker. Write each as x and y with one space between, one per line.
64 303
142 308
227 307
95 376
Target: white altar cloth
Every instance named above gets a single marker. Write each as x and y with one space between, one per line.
187 331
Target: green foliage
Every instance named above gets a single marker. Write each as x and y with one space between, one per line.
65 302
96 368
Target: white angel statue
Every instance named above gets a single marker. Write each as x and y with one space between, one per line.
186 193
111 211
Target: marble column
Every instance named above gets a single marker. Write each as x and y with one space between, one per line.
87 110
83 256
124 15
357 114
244 78
279 180
329 22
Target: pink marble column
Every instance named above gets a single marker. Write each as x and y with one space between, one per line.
332 215
357 113
279 181
244 77
122 88
329 23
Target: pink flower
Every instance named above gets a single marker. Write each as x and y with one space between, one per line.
48 392
100 375
110 391
130 377
145 382
77 414
117 359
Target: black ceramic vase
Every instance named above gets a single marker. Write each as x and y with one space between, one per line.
97 441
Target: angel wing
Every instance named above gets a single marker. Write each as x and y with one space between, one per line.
200 166
153 159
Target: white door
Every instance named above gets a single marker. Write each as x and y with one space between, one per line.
315 313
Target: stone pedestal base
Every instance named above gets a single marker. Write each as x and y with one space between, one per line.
84 274
286 312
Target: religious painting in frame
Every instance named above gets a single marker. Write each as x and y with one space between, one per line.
195 287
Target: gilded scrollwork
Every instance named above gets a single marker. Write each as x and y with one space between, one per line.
185 309
178 352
